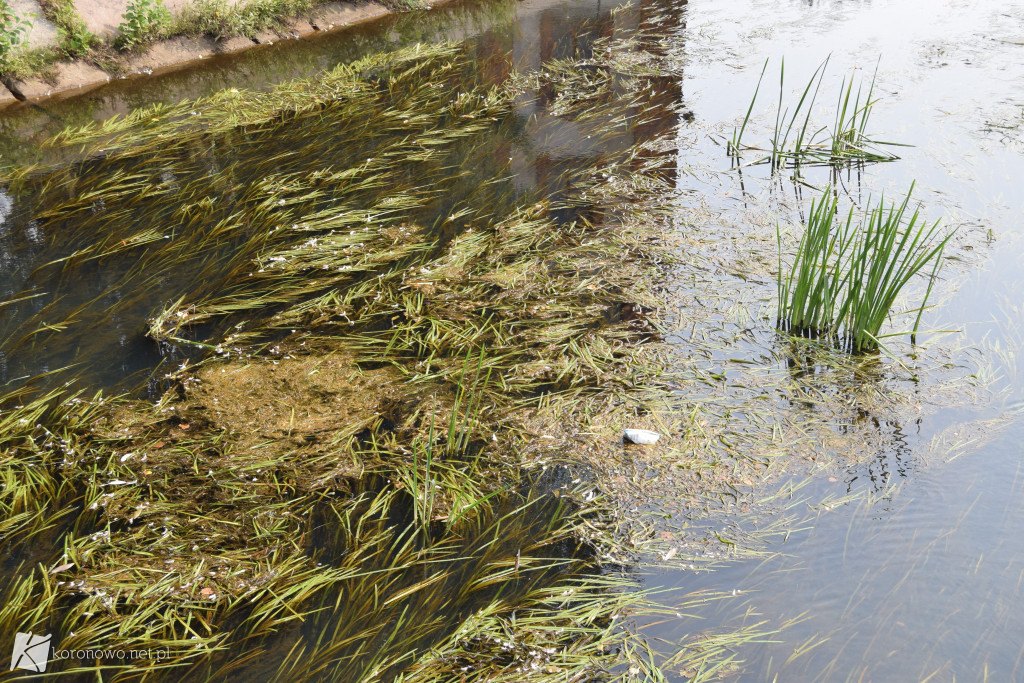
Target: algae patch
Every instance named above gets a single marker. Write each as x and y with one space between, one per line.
300 406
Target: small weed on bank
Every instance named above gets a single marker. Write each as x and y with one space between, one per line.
144 20
12 34
74 39
220 19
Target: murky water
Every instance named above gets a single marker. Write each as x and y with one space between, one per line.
111 299
919 584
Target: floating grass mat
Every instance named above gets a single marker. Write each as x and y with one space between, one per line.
341 488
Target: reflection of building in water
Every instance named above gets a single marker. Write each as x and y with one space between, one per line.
554 145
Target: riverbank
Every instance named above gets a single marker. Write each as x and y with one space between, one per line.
102 64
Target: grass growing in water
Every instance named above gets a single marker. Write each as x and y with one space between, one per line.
794 143
846 276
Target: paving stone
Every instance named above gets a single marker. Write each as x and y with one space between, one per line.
42 33
335 14
297 28
266 37
169 53
102 17
234 44
6 97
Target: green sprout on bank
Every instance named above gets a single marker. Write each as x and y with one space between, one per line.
13 31
794 143
847 275
144 20
74 38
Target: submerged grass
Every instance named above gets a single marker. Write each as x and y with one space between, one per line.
343 487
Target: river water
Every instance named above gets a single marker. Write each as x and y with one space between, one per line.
919 577
922 584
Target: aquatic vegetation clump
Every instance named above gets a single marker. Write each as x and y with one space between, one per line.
846 276
794 143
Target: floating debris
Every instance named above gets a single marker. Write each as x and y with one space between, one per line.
641 436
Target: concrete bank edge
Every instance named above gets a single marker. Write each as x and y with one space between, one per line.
78 76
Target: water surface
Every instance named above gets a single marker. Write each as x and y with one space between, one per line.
917 581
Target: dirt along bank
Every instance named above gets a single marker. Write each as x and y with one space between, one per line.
70 46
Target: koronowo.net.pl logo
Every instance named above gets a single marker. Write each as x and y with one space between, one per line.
31 653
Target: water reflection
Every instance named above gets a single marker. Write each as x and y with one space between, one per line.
909 583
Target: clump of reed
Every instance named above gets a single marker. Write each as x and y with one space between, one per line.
847 275
795 143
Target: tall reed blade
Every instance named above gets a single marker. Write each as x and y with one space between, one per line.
795 142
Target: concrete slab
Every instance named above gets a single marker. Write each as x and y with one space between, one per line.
335 14
171 53
266 37
6 97
297 28
42 33
234 44
102 17
293 28
66 76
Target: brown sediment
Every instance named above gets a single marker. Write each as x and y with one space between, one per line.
296 404
300 418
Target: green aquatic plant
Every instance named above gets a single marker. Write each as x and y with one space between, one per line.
795 143
846 275
349 484
736 144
